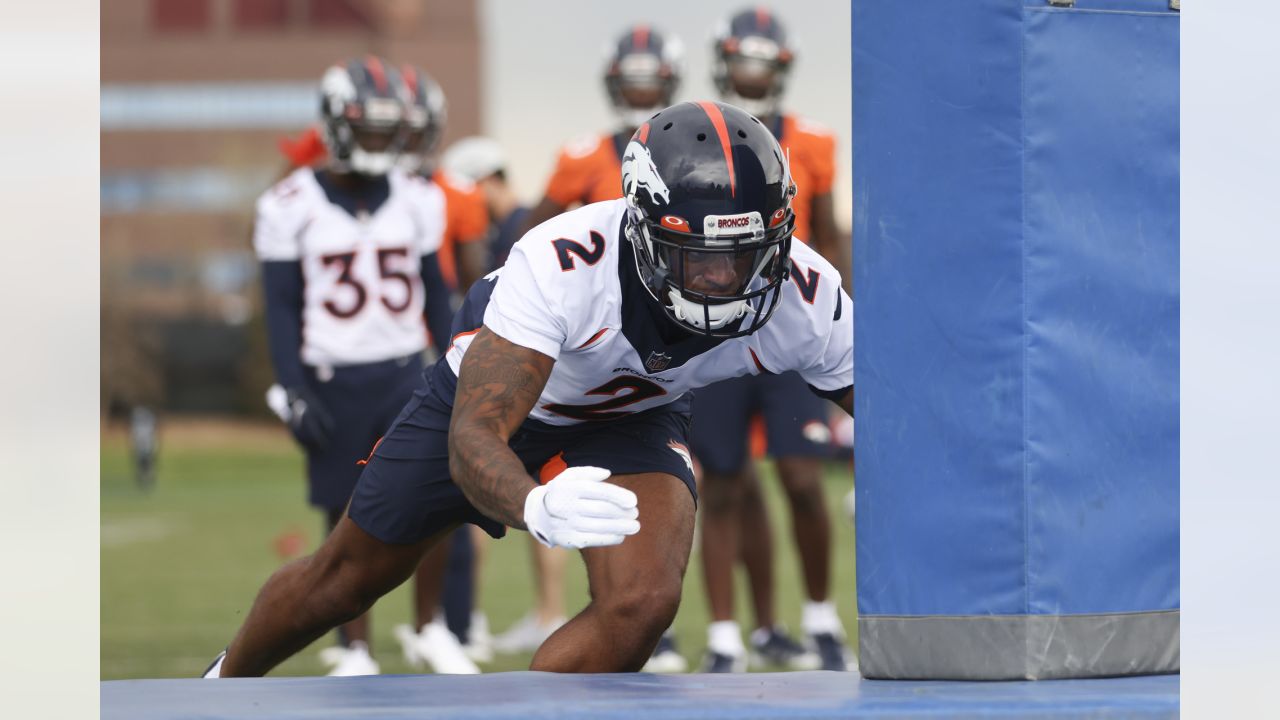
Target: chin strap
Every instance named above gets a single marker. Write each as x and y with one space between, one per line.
693 313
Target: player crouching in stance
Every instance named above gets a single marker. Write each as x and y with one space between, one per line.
574 364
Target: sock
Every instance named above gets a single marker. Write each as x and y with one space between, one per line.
725 637
818 618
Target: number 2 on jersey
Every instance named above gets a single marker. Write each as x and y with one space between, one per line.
640 388
566 249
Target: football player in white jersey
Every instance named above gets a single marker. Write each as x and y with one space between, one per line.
348 254
753 58
561 406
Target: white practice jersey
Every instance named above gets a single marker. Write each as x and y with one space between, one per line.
363 296
570 290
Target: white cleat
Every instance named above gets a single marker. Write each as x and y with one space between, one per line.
349 661
436 648
666 658
214 671
527 635
479 646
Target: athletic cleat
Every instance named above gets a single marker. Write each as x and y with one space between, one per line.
479 645
213 672
833 653
527 635
715 662
773 648
665 657
350 661
435 647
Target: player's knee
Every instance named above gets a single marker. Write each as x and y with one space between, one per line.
802 481
645 608
720 493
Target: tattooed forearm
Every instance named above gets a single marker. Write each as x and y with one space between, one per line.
498 384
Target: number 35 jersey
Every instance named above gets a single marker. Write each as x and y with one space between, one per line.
363 296
570 290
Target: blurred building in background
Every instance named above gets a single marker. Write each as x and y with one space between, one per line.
196 95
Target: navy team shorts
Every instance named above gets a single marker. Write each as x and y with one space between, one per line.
795 420
406 495
363 401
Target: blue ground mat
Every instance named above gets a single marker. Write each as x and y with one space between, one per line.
529 695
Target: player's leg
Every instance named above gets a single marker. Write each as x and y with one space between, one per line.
403 504
430 642
428 583
480 642
548 612
756 547
457 599
550 564
635 586
721 414
799 438
308 597
332 472
352 654
811 523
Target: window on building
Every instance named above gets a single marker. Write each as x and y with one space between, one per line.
336 14
261 14
181 15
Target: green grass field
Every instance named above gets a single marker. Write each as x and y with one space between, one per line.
182 563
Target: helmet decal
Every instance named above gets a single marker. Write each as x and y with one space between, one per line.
639 173
717 121
375 71
640 37
675 222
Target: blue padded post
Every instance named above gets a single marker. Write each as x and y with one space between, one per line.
1016 284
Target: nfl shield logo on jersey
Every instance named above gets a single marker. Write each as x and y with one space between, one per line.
657 361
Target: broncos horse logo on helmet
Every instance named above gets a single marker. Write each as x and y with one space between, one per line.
639 173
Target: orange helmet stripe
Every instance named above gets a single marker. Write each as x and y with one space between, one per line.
722 131
379 75
640 37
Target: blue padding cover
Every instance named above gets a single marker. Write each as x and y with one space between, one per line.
1015 275
529 695
1100 239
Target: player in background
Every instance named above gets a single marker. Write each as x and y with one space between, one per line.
481 161
351 284
641 75
462 252
689 281
751 65
424 643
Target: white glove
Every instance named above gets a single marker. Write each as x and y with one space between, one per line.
578 509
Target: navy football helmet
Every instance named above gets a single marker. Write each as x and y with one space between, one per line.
361 116
424 118
752 61
642 73
709 218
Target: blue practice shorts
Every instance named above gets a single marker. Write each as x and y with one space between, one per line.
795 420
405 493
363 401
